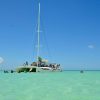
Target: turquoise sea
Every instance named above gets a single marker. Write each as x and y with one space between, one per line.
67 85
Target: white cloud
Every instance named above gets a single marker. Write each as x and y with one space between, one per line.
1 60
91 46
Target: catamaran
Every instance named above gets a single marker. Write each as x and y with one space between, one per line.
40 65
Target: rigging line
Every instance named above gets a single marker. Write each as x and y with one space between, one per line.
34 45
34 40
45 39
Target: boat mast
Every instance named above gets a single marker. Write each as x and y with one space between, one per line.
38 31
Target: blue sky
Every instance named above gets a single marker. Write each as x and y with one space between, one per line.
70 32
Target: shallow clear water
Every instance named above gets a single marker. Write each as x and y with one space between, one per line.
68 85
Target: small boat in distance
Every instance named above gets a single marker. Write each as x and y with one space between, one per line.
41 64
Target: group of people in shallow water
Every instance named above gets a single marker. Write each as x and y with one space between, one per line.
5 71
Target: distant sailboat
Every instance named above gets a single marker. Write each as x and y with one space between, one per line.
40 65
